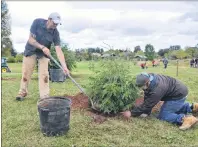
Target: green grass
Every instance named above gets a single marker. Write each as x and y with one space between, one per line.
21 126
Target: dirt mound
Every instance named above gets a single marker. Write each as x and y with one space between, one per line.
99 119
79 101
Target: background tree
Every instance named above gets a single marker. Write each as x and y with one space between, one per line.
196 54
175 47
149 51
131 55
6 43
168 55
171 55
91 50
19 57
181 54
140 53
69 57
13 52
137 48
162 52
191 51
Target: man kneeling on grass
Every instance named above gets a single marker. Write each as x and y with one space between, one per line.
173 92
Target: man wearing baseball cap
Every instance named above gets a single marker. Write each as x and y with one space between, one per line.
173 92
42 34
55 17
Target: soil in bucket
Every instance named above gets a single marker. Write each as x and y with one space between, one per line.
54 113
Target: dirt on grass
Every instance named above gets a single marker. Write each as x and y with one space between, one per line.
81 101
8 79
13 79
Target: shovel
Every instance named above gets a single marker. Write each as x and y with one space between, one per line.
81 89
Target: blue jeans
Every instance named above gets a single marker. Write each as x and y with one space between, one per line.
174 111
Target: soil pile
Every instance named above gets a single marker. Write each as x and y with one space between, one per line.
81 101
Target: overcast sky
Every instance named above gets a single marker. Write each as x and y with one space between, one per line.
119 24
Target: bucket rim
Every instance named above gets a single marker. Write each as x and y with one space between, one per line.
55 97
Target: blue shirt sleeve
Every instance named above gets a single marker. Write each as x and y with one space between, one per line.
33 28
56 39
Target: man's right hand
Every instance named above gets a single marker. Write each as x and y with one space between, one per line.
46 51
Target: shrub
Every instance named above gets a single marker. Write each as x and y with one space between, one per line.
19 58
112 89
11 59
69 58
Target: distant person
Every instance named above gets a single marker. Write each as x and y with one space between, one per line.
42 34
143 65
165 62
192 63
196 62
173 92
153 63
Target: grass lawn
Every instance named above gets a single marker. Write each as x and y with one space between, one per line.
21 126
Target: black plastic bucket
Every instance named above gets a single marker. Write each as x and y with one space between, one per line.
54 113
57 75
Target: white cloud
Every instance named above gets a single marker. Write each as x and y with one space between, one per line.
120 24
20 34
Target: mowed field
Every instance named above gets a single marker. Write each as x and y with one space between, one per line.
21 126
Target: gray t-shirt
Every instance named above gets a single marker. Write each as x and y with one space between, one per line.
43 36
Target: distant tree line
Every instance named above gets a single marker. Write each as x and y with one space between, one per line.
173 52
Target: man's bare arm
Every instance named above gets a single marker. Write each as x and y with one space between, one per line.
60 56
34 43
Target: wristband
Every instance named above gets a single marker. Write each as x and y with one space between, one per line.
42 47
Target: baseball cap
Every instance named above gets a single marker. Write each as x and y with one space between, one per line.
142 78
55 17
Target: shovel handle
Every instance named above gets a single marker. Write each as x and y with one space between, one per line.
52 58
76 84
92 105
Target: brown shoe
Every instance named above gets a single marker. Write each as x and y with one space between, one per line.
188 122
21 97
195 107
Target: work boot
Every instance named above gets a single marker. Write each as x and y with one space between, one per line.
195 107
188 122
21 97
